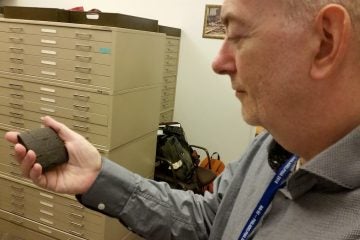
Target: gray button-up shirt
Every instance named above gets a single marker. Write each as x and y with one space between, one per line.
321 199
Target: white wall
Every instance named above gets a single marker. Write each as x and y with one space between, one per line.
205 104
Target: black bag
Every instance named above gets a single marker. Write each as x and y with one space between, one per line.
174 153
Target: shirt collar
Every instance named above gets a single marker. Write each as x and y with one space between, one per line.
336 168
340 163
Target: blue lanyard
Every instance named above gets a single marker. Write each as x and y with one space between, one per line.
276 183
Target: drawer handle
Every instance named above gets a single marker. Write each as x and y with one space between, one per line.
83 35
77 215
16 70
84 118
21 197
14 114
17 212
17 123
15 173
16 204
83 69
16 29
82 80
16 105
19 222
45 230
16 95
16 50
17 188
14 163
81 96
77 224
15 39
17 60
79 127
76 206
83 47
76 233
83 108
83 58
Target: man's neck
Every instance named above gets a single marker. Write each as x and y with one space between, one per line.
308 144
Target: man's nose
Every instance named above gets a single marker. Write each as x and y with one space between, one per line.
224 62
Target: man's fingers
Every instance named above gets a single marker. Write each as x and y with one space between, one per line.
12 137
63 131
20 152
36 176
27 162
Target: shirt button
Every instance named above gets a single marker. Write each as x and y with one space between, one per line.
101 206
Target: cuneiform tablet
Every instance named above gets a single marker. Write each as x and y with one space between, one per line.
49 148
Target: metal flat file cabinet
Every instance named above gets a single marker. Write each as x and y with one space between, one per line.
171 60
104 83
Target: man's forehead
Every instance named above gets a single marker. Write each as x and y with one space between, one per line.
249 9
241 10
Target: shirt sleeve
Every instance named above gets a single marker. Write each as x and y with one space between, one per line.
151 209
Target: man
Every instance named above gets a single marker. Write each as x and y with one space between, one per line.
294 65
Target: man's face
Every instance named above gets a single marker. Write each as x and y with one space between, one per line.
267 58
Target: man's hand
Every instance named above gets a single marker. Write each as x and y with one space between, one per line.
74 177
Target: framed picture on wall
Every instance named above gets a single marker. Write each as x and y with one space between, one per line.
213 28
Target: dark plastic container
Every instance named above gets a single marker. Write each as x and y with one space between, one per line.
114 20
170 31
35 13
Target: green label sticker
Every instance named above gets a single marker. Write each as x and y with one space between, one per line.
105 50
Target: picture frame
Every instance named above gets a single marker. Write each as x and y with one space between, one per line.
213 27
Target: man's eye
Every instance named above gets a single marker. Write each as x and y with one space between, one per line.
235 38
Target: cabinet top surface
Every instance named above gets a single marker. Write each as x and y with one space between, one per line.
75 25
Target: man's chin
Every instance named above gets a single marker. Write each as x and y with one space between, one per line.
250 119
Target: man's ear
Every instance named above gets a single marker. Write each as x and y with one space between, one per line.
333 28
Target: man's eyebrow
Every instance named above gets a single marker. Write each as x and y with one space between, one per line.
230 17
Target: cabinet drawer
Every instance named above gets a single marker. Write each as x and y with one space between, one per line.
54 101
170 70
86 130
172 42
56 63
61 53
48 110
40 198
13 231
66 32
57 42
17 115
166 105
24 224
50 209
11 170
171 62
169 86
56 217
166 116
169 98
172 49
168 92
74 94
171 56
79 76
170 79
